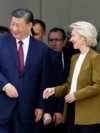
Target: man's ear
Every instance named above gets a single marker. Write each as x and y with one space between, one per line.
44 35
65 42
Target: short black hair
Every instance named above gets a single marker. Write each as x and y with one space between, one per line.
55 29
23 13
42 24
4 29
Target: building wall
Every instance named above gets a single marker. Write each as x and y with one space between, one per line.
62 13
59 13
7 6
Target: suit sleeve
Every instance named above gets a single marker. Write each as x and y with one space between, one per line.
44 78
3 81
55 104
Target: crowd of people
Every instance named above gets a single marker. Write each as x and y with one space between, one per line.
47 88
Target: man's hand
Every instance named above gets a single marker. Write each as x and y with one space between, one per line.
57 118
11 91
38 114
47 119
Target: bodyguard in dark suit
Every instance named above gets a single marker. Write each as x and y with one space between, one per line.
54 104
56 78
21 101
57 42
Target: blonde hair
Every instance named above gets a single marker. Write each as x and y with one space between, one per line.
87 30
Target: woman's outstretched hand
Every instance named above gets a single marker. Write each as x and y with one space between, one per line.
48 92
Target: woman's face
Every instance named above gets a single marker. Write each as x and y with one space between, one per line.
77 40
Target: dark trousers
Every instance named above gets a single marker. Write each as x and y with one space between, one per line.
54 129
13 124
40 128
71 128
59 128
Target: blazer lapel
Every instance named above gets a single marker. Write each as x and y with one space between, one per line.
86 60
84 64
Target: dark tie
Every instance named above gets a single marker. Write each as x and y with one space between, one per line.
21 55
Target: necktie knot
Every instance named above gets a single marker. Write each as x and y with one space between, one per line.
20 42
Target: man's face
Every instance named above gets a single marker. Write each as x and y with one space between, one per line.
56 42
19 28
39 33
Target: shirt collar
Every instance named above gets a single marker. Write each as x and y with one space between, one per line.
24 40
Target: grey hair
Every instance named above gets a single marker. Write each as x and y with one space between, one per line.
23 13
87 30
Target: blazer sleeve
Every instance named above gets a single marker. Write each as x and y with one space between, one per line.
90 78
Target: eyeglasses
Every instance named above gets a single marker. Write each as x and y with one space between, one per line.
56 40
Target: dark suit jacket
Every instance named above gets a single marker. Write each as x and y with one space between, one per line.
57 78
30 83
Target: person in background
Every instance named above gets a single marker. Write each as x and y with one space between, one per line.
97 47
4 30
82 89
57 78
39 29
24 69
57 41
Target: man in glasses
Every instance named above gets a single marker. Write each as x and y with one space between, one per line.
57 41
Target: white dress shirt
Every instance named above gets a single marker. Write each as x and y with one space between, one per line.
25 46
25 49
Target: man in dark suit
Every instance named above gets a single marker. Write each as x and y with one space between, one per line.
56 78
57 41
21 87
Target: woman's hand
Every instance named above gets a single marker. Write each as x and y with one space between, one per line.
48 92
69 98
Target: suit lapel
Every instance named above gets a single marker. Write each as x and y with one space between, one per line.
13 50
31 51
